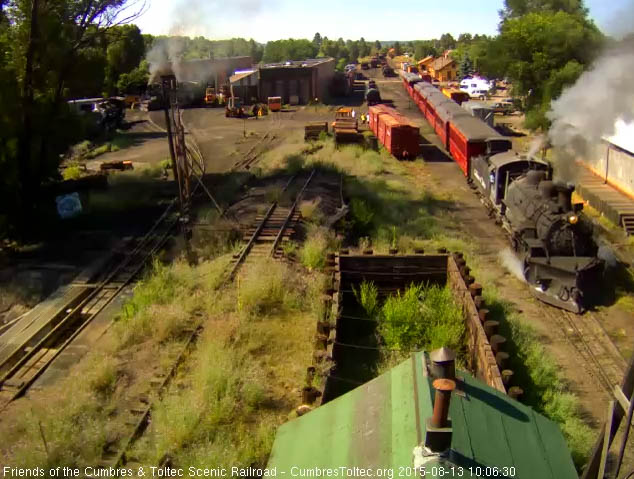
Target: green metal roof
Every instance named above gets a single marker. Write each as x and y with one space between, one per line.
376 427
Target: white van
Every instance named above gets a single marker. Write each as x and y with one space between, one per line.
475 87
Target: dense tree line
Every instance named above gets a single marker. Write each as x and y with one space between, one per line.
344 51
542 47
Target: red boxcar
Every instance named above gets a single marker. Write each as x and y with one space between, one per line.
468 137
375 112
447 112
434 100
399 137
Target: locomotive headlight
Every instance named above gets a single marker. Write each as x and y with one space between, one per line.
572 219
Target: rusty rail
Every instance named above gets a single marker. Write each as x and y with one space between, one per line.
290 214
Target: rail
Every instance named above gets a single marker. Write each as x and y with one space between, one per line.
101 295
260 227
596 349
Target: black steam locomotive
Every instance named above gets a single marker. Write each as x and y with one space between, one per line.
548 234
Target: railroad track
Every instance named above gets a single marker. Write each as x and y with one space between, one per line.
254 153
265 238
277 225
30 358
587 336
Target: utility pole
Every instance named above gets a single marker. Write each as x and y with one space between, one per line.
168 82
187 162
27 116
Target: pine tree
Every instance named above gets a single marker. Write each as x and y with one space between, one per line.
466 67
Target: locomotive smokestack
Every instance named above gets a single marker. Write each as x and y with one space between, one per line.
564 197
546 188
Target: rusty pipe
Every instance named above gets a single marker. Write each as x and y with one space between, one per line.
441 402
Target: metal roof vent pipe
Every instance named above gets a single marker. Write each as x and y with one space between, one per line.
443 363
438 427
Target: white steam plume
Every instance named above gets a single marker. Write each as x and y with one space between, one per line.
511 263
588 110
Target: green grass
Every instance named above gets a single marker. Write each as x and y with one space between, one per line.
310 212
368 297
98 151
626 303
422 318
319 241
289 248
166 300
237 387
71 173
82 424
263 289
120 142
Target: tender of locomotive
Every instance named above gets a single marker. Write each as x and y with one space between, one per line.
547 233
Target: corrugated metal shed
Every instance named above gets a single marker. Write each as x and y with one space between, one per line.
377 426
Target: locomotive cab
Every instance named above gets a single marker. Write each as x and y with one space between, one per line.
498 145
493 174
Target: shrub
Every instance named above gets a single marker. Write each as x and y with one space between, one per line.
310 211
368 297
362 215
71 173
294 163
422 318
264 289
400 323
318 242
106 148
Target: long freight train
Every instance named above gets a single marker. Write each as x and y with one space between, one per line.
547 233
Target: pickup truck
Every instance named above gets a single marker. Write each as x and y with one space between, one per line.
504 107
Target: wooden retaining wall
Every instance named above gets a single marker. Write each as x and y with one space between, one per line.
486 358
481 360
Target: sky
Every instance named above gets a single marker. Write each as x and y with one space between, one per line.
265 20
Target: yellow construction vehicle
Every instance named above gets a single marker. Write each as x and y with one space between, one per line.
211 98
234 108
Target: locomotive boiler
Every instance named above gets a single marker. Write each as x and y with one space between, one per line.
554 241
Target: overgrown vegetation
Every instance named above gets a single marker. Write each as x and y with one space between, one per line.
368 297
423 317
318 242
239 386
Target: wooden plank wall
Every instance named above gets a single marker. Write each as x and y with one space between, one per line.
481 358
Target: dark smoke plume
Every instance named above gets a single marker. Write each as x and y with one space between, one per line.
194 18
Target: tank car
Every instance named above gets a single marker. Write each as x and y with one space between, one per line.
550 237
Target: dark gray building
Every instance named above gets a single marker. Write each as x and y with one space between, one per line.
297 82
